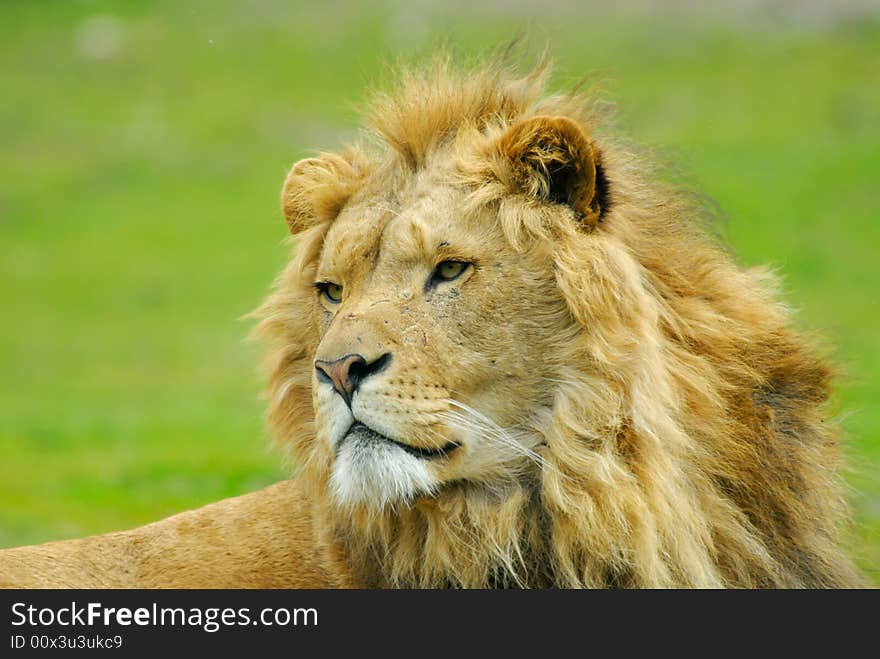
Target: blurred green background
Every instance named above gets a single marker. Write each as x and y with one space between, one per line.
144 144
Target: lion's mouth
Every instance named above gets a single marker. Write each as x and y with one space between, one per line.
366 433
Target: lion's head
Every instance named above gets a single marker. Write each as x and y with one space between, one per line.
504 354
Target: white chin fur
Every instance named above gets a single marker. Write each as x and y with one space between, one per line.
376 474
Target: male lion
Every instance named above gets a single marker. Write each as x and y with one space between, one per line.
505 355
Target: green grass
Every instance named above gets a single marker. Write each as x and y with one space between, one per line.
139 181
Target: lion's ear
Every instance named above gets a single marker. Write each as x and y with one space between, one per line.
552 158
316 189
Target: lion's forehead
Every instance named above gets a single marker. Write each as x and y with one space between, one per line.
394 235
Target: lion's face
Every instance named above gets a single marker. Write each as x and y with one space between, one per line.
437 344
439 331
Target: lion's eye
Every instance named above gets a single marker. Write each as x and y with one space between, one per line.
449 270
332 292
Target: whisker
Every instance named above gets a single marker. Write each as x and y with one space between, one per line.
469 419
495 431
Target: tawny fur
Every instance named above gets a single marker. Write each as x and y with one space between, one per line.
678 422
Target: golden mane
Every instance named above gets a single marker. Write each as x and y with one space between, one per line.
687 444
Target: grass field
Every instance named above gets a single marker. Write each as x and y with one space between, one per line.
144 144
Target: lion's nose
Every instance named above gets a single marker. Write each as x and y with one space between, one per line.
346 373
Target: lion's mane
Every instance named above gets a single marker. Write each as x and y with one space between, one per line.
688 443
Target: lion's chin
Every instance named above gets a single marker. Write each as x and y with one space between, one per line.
377 474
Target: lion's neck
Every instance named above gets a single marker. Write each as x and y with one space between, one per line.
463 538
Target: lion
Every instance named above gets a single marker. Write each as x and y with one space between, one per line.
506 354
